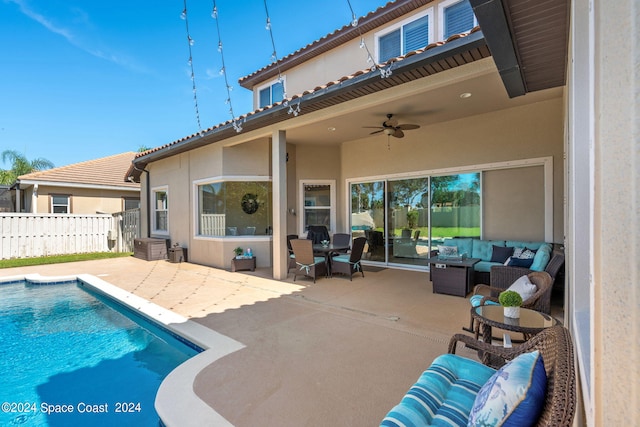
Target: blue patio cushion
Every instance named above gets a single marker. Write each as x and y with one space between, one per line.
341 258
443 395
476 299
318 259
483 249
542 258
465 245
485 266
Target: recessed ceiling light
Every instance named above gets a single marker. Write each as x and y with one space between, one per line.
331 129
465 95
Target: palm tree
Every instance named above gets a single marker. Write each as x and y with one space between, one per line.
20 166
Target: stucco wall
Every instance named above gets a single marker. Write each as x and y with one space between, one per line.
84 200
526 132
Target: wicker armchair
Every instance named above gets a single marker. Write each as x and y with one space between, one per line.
539 301
503 276
556 349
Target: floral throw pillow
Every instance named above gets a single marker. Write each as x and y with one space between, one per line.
513 396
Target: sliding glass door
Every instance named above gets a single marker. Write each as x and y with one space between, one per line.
404 219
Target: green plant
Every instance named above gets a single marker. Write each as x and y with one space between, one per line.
412 218
238 251
510 299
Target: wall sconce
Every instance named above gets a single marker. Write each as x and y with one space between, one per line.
292 211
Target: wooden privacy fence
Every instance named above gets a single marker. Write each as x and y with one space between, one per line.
26 235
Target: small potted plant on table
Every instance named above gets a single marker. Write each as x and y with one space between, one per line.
238 251
511 301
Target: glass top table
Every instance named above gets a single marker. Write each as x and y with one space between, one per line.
530 322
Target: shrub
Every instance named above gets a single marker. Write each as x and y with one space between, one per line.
510 299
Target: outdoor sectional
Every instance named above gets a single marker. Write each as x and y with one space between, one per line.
492 258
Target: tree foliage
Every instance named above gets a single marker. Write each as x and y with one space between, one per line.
20 165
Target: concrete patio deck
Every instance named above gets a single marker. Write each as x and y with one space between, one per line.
336 352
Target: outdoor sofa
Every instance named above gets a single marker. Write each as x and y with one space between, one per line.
532 384
494 254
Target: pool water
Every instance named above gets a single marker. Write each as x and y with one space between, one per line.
69 357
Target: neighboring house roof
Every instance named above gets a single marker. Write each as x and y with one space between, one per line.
106 172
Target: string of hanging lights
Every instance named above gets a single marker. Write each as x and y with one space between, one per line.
190 41
274 58
384 72
223 71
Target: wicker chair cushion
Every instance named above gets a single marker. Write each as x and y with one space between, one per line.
443 395
475 301
514 395
524 287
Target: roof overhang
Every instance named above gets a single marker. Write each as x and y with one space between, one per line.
528 41
23 184
455 52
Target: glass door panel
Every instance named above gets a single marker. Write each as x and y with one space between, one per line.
408 221
455 207
367 217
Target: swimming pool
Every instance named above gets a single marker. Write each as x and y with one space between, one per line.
71 356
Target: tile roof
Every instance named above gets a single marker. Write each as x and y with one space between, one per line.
106 171
371 21
457 50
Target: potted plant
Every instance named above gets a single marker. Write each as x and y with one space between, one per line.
511 301
238 251
412 219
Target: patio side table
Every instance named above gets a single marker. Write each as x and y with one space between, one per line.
238 264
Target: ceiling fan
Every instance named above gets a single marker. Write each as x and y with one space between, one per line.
390 127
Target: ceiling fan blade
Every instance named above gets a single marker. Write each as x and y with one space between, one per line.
376 131
372 127
408 127
398 133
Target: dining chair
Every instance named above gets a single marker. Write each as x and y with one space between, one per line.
349 263
341 239
292 257
306 263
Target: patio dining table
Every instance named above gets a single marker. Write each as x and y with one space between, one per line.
327 250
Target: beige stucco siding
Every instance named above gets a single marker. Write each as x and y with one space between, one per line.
84 200
531 131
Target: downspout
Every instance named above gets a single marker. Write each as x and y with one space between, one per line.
148 199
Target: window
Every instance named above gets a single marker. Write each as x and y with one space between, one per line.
319 200
404 37
234 208
60 204
131 204
160 210
270 94
456 16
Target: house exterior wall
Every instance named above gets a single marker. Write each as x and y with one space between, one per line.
526 132
84 200
341 61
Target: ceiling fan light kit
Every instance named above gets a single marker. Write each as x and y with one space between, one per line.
390 127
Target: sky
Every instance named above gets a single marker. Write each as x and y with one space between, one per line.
84 79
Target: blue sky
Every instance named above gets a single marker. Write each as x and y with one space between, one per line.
82 79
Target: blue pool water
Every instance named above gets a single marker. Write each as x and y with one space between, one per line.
69 357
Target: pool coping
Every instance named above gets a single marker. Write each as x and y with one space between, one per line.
176 401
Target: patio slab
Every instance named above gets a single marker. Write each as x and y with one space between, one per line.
336 352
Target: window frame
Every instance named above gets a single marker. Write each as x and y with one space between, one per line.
269 85
52 205
155 210
400 25
196 207
441 18
302 208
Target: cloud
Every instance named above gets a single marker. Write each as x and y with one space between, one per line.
72 38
